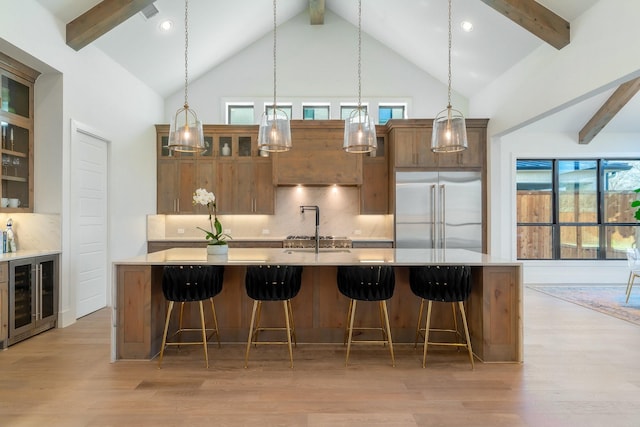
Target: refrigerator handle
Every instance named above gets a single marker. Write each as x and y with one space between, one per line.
434 238
443 234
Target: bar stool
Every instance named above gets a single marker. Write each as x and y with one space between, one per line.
191 283
451 283
367 283
272 283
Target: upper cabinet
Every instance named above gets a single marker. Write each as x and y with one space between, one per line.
374 191
231 168
316 156
411 141
16 135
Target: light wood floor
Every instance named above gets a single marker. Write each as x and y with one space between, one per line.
581 369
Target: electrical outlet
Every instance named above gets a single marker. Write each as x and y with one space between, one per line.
227 231
180 230
357 232
266 231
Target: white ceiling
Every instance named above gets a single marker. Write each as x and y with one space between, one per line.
416 29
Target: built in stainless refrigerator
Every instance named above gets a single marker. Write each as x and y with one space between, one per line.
437 210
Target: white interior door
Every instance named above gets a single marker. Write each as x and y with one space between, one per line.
89 236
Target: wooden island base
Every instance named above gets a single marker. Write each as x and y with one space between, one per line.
493 310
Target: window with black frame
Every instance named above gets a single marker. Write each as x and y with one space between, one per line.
576 208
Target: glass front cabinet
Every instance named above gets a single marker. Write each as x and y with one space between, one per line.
16 135
33 296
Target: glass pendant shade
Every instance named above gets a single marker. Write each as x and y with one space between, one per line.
185 132
274 134
359 133
449 132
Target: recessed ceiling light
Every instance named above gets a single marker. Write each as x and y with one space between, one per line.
166 25
466 26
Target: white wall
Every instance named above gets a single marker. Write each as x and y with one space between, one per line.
314 63
88 87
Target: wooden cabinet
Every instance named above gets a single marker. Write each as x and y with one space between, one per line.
179 174
316 156
16 135
374 191
474 155
412 146
245 187
244 175
231 168
411 142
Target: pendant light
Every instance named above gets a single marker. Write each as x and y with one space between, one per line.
359 129
274 134
185 132
449 129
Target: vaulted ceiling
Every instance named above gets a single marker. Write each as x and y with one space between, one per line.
505 32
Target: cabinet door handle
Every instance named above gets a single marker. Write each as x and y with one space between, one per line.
40 291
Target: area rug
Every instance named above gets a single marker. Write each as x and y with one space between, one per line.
609 300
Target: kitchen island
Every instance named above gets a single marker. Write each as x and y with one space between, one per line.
494 309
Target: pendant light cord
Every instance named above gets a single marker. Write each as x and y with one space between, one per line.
274 59
359 53
186 51
449 76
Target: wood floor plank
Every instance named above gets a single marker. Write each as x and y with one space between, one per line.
580 369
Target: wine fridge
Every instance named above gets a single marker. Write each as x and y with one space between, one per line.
33 296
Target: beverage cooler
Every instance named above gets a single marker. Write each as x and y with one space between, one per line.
33 296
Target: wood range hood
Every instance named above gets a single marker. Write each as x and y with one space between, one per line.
316 157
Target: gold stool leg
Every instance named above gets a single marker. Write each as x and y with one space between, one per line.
466 332
346 327
352 315
204 335
164 335
215 321
293 326
426 334
286 321
382 318
256 330
383 306
632 277
415 345
253 318
455 322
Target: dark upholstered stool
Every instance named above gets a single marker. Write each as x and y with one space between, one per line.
191 283
272 283
367 283
450 283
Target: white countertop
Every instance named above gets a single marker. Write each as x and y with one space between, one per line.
327 257
10 256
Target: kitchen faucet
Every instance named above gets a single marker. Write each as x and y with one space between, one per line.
317 209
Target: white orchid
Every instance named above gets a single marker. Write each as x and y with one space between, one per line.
208 199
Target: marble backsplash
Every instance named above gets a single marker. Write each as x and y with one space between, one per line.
339 216
35 231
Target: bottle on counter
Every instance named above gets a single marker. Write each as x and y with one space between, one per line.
11 238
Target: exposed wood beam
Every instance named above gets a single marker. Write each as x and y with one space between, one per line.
536 19
609 109
316 12
100 19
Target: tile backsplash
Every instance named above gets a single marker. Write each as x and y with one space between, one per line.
339 207
34 231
